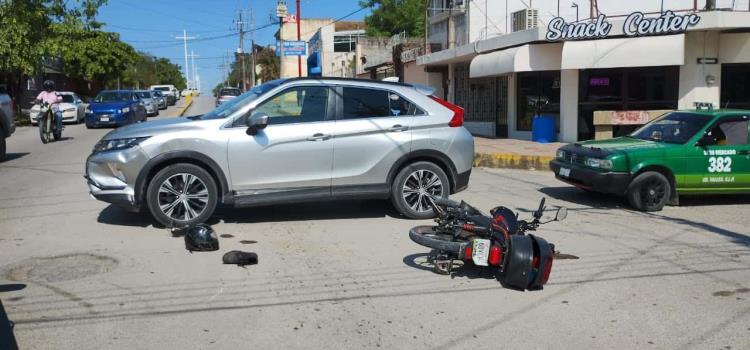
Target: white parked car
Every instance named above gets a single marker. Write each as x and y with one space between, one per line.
168 89
72 107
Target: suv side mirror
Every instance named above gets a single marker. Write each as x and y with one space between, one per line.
257 121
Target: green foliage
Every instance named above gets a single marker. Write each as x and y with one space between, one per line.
390 17
23 25
265 58
148 70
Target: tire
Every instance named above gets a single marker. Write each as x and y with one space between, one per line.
2 145
425 236
649 191
158 195
414 205
43 127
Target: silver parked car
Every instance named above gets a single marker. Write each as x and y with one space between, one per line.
161 100
152 104
289 141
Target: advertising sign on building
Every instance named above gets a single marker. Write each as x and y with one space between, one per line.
291 48
630 117
635 24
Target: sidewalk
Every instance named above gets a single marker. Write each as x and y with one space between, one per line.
515 154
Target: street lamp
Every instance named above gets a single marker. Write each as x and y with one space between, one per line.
576 6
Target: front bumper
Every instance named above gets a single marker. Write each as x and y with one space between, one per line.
611 182
111 176
95 119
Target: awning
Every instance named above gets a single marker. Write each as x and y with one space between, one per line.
667 50
525 58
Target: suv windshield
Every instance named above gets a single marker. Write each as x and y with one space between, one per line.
112 96
143 94
235 104
162 88
157 93
674 127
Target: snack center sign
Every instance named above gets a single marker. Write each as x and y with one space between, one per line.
636 24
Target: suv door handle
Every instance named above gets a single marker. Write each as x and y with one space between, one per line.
398 128
319 137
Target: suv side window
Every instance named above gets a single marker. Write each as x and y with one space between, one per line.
730 131
372 103
302 104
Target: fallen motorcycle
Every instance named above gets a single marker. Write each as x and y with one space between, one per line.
499 240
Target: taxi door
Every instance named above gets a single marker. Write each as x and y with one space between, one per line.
726 155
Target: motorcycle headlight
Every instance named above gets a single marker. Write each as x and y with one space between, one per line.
117 144
125 110
599 163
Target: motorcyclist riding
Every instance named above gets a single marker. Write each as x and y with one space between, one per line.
51 97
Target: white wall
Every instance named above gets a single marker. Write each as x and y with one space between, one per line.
693 86
568 105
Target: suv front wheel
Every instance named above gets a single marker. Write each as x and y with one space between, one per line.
414 184
182 195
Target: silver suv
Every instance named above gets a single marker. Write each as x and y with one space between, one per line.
289 141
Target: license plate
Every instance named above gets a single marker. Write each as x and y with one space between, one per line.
480 251
104 119
564 172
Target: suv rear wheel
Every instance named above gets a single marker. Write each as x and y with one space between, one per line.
412 186
182 195
649 191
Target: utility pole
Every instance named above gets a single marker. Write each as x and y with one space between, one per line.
251 18
299 38
281 13
195 72
184 39
240 26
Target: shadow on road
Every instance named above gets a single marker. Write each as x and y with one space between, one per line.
460 269
727 199
7 338
578 196
13 156
325 210
114 215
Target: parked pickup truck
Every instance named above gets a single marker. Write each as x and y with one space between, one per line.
7 124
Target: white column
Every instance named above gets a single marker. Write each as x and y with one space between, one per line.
568 105
693 86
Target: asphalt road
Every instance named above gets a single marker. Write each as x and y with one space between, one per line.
76 273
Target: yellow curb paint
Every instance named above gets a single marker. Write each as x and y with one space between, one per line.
511 161
189 102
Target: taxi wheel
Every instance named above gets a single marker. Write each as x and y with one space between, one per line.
649 191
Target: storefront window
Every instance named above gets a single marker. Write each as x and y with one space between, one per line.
735 86
537 90
624 89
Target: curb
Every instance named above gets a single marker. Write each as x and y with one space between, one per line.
512 161
184 109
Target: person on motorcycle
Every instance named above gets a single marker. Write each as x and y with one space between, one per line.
51 97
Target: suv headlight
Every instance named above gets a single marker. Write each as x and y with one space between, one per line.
88 110
117 144
599 163
125 110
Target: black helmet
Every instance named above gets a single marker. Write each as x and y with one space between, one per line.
49 85
504 219
201 238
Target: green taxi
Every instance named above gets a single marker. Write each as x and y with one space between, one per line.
680 153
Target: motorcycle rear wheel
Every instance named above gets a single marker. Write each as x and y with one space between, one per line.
426 236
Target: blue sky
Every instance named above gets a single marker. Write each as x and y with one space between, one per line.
151 26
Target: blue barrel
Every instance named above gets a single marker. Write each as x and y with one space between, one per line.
543 129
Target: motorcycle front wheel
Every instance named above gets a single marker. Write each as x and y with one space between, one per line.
45 125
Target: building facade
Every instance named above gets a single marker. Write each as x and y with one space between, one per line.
601 76
332 49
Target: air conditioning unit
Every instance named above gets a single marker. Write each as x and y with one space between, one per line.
524 19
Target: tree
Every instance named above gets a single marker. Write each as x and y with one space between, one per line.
390 17
149 70
265 57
